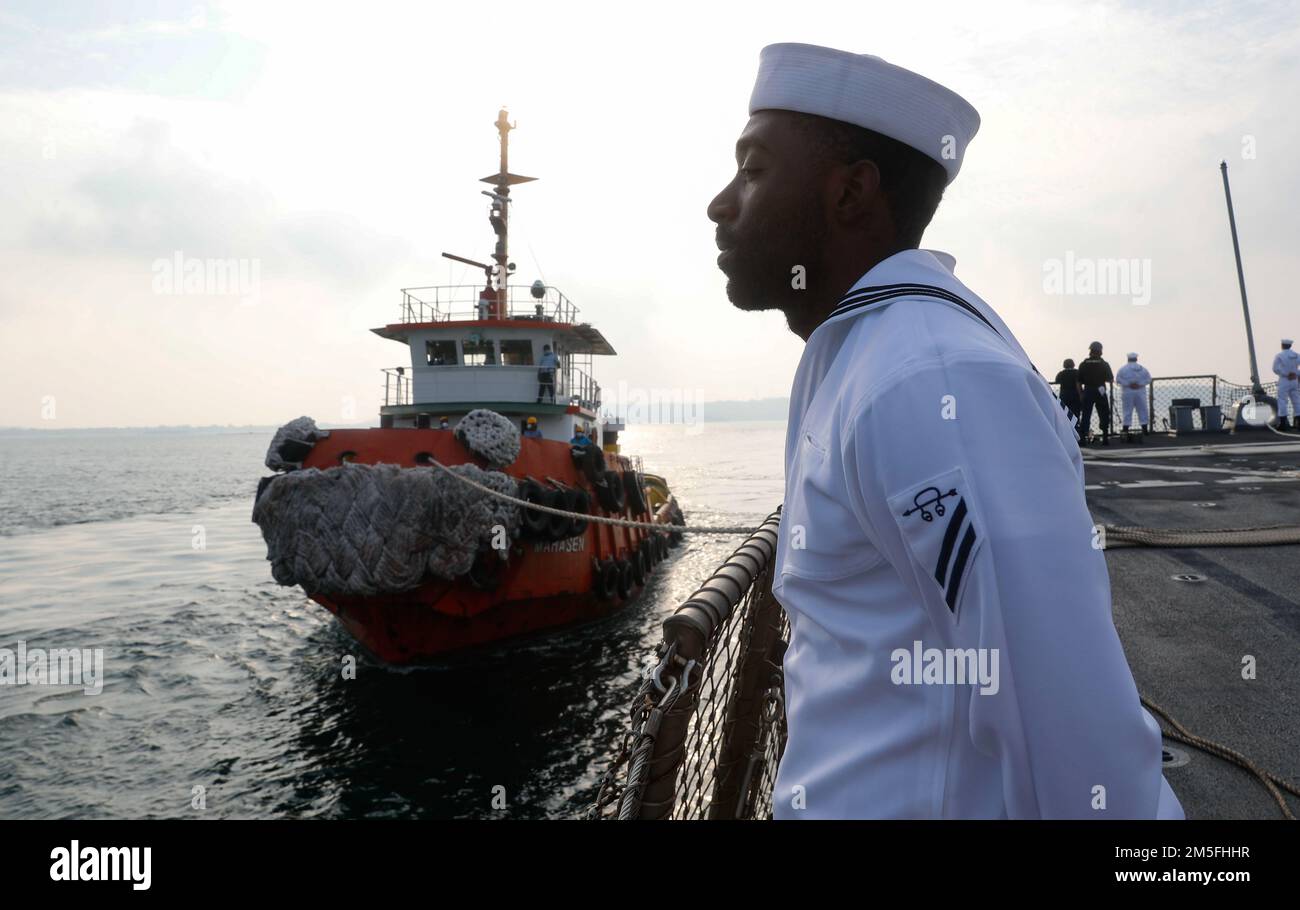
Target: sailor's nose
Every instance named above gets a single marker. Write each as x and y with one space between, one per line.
723 207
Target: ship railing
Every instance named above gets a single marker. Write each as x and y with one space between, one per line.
573 386
464 302
708 724
578 387
1208 389
397 386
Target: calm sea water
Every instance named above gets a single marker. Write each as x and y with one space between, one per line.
217 678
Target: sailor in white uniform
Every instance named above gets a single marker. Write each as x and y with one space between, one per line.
1133 379
1286 366
952 651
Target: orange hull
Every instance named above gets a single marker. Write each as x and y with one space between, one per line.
544 584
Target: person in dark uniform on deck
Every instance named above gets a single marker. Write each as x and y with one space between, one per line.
1071 392
1094 375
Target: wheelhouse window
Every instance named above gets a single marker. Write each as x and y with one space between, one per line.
479 352
440 353
516 353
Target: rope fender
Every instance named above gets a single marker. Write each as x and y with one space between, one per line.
360 529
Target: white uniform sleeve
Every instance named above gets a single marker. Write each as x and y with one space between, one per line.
1065 723
1279 368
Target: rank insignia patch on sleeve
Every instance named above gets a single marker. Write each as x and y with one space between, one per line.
939 527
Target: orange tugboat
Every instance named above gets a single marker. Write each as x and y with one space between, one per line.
514 360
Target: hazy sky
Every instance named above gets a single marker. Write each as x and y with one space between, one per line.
338 147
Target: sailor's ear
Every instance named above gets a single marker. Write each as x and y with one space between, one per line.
855 193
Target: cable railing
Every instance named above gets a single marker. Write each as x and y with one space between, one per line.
1213 395
397 387
466 302
578 388
573 386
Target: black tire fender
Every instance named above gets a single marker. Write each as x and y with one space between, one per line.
624 579
606 580
618 496
590 460
639 567
635 496
557 527
581 503
535 523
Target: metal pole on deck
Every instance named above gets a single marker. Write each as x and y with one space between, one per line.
1256 388
503 189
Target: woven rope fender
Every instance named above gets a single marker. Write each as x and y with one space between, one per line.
490 435
360 529
302 429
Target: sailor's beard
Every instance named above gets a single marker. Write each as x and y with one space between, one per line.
772 266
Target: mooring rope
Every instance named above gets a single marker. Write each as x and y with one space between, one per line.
601 519
1271 535
1181 734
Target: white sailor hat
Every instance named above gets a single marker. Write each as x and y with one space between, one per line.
1287 341
1132 356
868 92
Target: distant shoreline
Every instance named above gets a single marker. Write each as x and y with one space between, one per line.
710 411
178 428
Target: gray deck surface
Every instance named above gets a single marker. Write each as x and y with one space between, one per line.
1185 641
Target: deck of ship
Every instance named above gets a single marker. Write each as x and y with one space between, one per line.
1186 640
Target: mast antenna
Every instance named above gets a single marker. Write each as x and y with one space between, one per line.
1256 388
499 214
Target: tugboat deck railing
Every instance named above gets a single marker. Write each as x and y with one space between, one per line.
573 386
461 302
397 386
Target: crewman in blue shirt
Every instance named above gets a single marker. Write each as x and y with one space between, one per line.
546 374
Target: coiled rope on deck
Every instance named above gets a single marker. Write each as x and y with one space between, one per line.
1270 535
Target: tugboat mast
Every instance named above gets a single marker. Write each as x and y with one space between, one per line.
499 215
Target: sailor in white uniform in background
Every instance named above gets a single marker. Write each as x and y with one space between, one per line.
952 650
1133 379
1286 366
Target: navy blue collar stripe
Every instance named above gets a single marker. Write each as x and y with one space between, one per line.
864 297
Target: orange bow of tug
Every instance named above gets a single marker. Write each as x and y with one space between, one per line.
421 535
